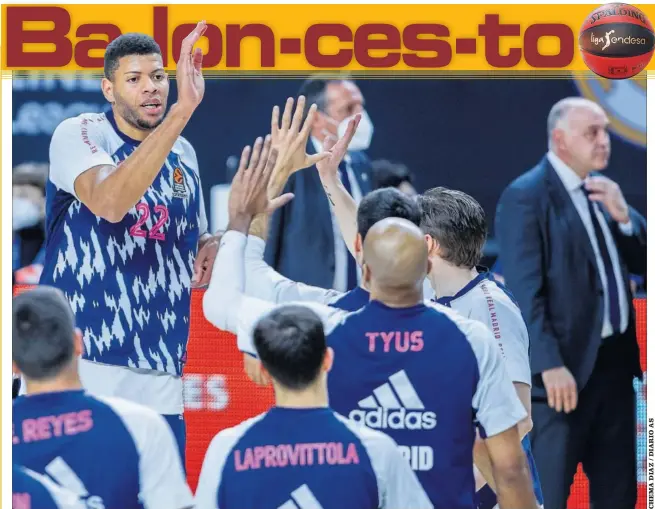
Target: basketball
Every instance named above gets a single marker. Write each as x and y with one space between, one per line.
616 41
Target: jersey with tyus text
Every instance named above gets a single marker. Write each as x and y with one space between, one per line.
422 374
127 282
108 452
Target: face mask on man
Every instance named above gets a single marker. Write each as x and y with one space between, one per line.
363 135
25 214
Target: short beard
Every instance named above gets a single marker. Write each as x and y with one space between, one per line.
132 117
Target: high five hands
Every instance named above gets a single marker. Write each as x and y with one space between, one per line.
248 193
190 82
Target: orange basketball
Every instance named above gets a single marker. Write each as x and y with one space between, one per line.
617 41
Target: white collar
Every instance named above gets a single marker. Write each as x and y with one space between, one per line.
570 179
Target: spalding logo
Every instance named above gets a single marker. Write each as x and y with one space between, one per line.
624 101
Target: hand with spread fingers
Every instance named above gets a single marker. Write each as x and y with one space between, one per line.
328 167
248 193
190 82
290 141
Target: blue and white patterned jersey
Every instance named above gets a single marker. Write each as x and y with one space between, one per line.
127 282
310 458
110 452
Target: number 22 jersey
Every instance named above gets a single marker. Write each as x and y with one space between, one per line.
127 282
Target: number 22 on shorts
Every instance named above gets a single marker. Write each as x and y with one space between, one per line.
155 232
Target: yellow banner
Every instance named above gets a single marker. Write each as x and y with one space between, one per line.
288 38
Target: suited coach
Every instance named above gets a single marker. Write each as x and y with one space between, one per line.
304 241
568 241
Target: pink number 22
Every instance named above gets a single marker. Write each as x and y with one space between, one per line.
144 214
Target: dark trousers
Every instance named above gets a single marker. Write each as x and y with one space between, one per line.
599 433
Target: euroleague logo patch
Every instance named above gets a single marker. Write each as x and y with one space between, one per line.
179 186
617 41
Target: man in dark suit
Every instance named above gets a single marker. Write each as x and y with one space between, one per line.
568 240
304 242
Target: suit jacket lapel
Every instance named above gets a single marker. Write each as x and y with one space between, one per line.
562 200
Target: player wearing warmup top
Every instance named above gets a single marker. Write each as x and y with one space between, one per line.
34 491
110 452
396 339
126 226
457 230
295 454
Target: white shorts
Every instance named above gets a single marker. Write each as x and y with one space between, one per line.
162 392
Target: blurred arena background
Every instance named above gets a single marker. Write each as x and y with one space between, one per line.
474 135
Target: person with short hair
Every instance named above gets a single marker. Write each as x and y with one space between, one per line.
456 228
390 174
109 451
395 359
568 241
127 231
301 450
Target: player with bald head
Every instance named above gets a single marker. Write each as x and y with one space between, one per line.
395 359
395 261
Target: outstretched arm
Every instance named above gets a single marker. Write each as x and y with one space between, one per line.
108 190
344 206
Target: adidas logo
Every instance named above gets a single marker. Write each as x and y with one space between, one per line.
302 498
394 405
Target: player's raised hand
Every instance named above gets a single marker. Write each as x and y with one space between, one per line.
290 139
190 82
248 194
329 166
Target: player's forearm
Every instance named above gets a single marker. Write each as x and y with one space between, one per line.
279 179
259 227
514 486
114 193
345 209
222 299
482 461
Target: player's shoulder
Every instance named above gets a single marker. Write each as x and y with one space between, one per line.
135 416
372 439
93 128
91 121
187 153
473 330
227 438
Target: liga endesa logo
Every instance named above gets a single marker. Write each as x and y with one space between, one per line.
617 41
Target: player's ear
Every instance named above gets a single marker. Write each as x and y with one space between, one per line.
78 344
358 248
14 368
366 275
328 360
433 246
108 90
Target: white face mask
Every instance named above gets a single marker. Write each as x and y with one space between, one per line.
25 214
363 135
